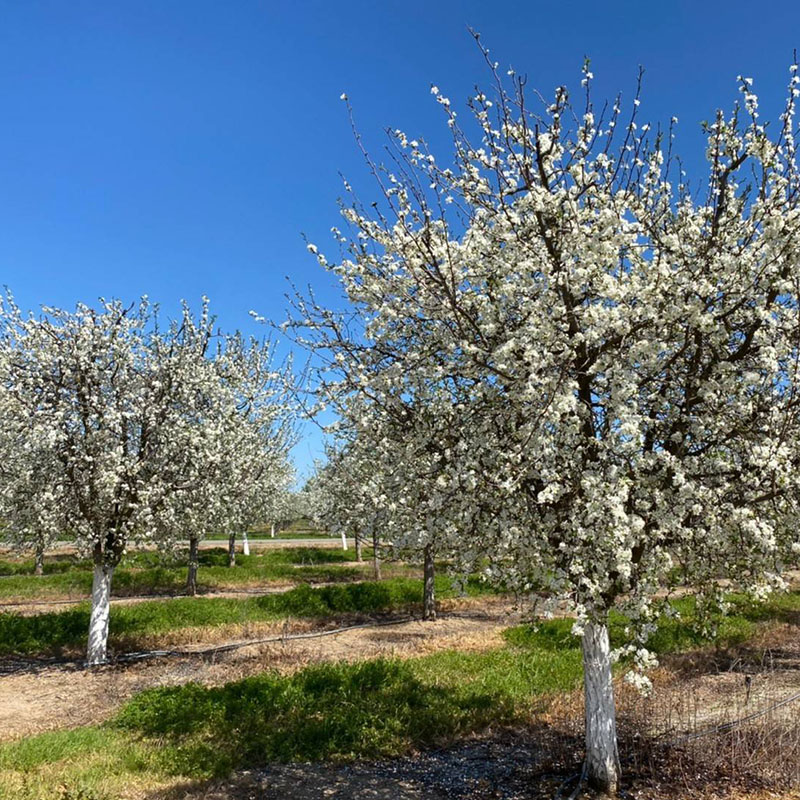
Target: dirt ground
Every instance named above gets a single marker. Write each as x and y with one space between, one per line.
691 695
35 697
502 765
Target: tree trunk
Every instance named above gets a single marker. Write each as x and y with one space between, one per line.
96 652
602 757
429 590
191 579
344 541
376 561
232 550
272 530
38 560
245 545
359 554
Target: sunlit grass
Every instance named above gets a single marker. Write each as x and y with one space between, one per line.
377 708
151 572
137 624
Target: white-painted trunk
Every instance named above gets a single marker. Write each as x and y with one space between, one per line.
429 586
344 541
272 530
245 545
38 561
359 554
96 652
602 758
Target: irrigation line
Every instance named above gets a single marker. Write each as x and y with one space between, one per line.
44 663
118 598
226 648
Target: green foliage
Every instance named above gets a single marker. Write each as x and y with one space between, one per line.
56 632
43 633
340 711
151 572
26 754
52 565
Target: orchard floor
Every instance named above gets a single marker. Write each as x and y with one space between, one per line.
30 607
505 766
693 692
35 697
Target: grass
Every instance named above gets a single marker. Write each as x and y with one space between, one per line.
265 534
335 712
373 709
150 572
137 625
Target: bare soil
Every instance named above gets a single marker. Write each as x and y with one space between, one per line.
36 698
543 759
504 765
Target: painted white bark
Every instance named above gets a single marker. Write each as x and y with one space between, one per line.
245 545
272 530
38 568
96 652
429 587
344 541
602 757
191 578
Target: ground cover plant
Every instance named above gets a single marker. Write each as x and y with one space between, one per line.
149 572
339 711
133 625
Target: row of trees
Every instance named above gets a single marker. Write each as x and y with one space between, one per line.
116 430
561 366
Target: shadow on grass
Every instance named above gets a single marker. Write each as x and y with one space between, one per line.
326 712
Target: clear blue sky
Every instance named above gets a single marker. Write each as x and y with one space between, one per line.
181 147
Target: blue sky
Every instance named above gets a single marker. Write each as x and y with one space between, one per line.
182 147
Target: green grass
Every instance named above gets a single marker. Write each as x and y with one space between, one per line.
150 572
134 625
372 709
265 534
52 565
336 712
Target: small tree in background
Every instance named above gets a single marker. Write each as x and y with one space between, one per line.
31 502
124 412
244 465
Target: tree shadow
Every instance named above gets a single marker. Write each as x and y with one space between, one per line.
325 712
507 763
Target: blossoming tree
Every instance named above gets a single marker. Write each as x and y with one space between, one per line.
240 470
626 350
119 408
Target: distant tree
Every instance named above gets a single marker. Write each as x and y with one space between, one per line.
119 408
244 467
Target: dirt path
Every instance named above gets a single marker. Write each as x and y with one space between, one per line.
68 696
26 608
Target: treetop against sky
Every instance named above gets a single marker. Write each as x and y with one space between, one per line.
178 149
